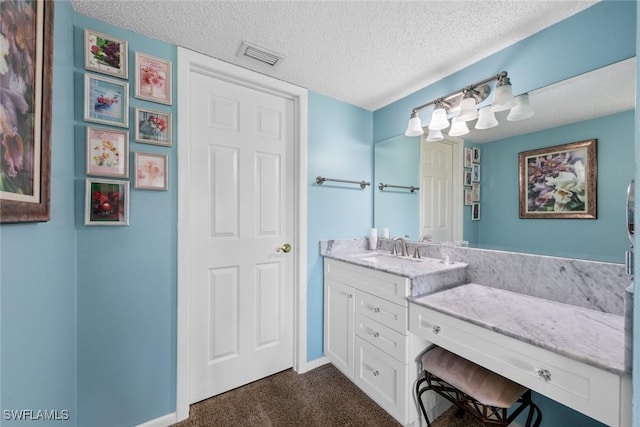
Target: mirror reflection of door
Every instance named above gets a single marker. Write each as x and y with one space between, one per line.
441 173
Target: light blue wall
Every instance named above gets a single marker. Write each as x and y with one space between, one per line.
127 276
397 162
38 270
340 146
603 239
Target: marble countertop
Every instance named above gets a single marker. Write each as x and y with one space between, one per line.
585 335
394 264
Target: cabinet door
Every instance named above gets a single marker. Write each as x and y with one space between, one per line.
383 379
338 325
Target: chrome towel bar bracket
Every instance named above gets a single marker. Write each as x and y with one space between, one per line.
320 180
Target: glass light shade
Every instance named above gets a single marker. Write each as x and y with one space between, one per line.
415 127
502 98
522 110
434 135
458 127
439 119
486 118
468 110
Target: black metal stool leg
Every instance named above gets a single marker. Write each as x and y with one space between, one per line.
419 394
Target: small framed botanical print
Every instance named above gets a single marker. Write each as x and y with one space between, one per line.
475 212
153 127
475 173
467 177
105 54
475 192
107 152
153 79
151 171
106 202
468 197
468 157
476 155
106 101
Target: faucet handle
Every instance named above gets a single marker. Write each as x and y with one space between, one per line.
394 251
416 252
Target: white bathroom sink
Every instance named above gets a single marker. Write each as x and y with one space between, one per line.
389 259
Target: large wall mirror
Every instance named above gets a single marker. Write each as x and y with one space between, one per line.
599 104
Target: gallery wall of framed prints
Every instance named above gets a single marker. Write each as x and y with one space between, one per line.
109 135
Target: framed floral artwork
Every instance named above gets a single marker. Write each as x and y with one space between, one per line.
152 171
107 152
106 101
475 192
475 212
468 157
105 54
475 173
559 181
468 197
467 177
106 202
153 127
476 155
26 38
153 78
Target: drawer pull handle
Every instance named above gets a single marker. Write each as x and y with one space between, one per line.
436 329
376 334
375 373
376 310
349 296
544 375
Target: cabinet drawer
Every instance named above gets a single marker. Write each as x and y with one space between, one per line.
386 339
585 388
388 286
382 378
389 314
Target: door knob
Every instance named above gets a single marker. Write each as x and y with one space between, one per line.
286 248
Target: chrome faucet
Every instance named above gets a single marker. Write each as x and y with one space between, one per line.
405 250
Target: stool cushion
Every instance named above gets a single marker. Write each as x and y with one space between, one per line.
483 385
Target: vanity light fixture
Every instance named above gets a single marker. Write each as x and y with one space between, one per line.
463 106
458 127
434 135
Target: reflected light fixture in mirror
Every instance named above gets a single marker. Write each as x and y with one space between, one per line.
465 103
486 118
434 135
439 119
458 127
521 110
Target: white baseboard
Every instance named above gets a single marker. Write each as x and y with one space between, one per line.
164 421
311 365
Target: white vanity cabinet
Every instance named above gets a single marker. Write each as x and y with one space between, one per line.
593 391
366 335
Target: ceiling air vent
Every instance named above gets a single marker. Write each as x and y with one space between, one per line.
259 54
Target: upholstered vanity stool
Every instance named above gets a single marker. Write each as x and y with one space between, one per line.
474 389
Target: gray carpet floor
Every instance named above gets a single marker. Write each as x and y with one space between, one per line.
323 397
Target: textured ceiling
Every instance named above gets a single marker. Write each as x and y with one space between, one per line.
367 53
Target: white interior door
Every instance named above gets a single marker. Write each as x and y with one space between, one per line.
240 210
437 183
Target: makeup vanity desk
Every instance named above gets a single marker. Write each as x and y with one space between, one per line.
570 354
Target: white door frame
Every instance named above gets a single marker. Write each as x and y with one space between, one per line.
457 196
189 61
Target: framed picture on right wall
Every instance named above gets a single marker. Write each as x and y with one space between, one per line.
475 212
